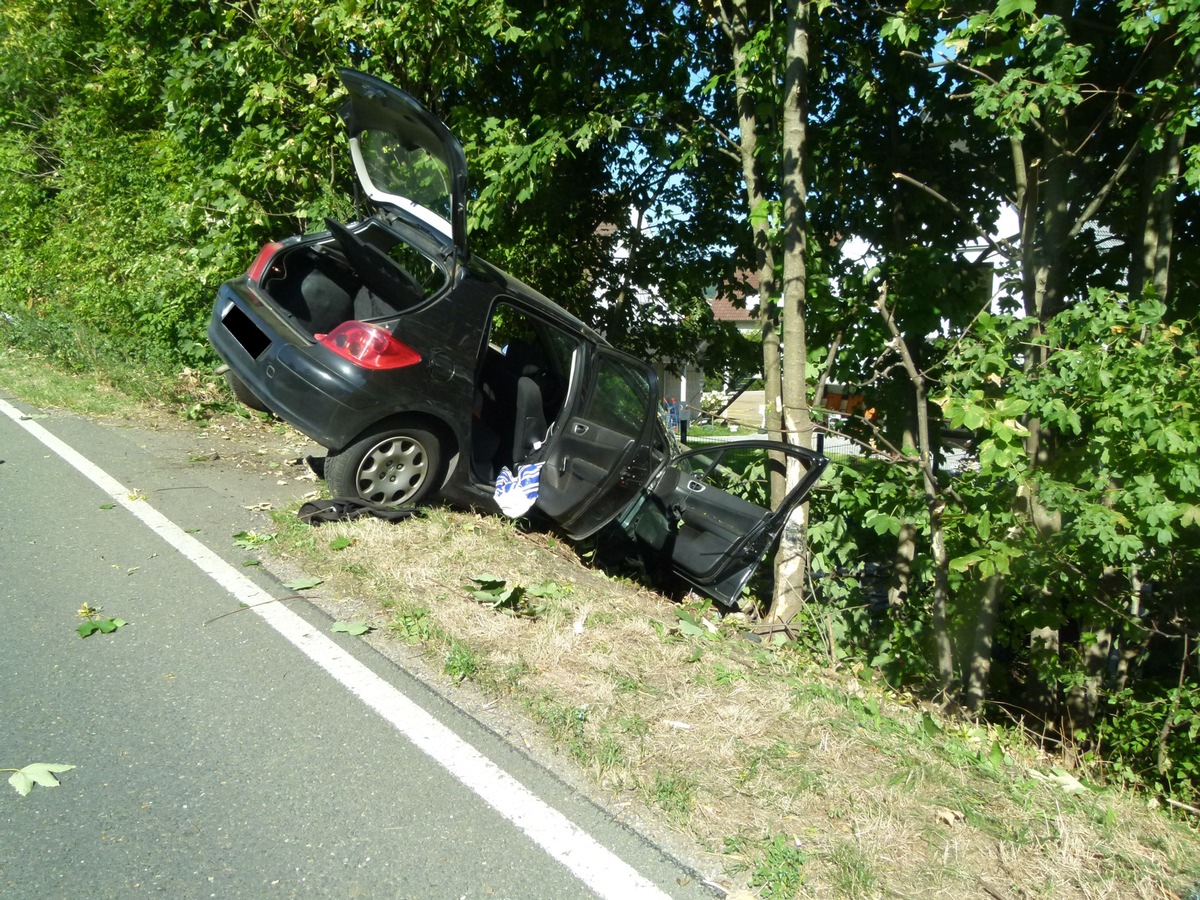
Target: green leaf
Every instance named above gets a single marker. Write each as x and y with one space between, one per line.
488 582
962 563
355 628
250 540
340 543
104 626
21 782
549 590
1006 8
303 583
760 216
691 626
996 754
42 774
929 726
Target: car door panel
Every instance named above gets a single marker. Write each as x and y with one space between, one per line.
710 516
712 522
579 466
601 458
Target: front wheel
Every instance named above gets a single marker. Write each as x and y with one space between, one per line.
397 466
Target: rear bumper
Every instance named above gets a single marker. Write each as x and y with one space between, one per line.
286 373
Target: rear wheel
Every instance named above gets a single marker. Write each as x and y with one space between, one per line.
242 391
394 466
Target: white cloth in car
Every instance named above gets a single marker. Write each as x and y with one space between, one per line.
516 494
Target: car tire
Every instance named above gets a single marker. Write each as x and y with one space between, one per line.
396 466
243 393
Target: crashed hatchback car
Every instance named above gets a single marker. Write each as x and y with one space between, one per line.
427 372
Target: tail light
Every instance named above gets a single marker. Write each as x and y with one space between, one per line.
255 272
369 346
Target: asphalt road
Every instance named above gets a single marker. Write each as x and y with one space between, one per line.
219 757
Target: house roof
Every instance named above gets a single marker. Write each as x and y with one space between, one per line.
737 300
724 311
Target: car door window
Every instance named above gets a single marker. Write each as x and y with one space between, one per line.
618 398
408 176
602 457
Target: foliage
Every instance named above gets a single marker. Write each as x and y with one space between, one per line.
103 626
252 540
461 662
303 583
43 774
354 628
517 600
780 872
93 623
165 141
1111 574
1104 572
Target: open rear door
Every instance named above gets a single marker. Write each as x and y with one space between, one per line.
601 457
710 514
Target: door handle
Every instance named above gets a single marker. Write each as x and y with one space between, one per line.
695 487
579 428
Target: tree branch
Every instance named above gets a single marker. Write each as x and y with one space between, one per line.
1102 195
1002 248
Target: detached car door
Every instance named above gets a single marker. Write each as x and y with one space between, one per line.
710 516
601 457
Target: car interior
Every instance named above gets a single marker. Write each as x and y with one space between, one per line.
519 391
362 275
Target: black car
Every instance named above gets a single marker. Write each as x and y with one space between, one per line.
427 372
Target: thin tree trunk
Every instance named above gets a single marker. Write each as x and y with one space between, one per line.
943 647
979 666
1158 231
906 540
791 561
1130 650
735 22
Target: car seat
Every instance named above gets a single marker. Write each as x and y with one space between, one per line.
529 414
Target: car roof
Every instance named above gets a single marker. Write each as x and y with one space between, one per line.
516 288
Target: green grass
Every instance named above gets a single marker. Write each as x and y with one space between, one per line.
674 793
853 876
461 663
77 368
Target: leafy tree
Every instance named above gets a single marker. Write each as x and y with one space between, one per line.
1112 583
1076 113
768 69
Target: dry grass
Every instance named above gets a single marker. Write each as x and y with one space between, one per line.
786 776
775 772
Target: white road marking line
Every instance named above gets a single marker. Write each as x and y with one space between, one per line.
598 867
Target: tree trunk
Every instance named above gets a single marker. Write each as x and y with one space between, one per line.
979 666
902 560
791 562
734 19
1153 269
906 540
943 647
